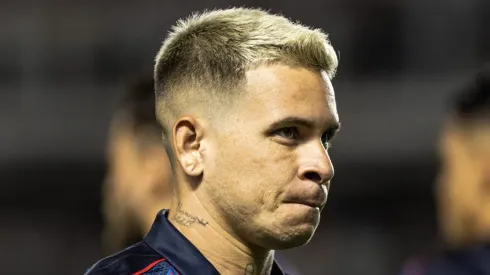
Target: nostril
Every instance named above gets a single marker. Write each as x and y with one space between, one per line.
313 176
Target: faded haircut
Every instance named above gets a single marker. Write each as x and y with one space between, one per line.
205 57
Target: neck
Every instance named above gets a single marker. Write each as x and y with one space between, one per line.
472 233
227 254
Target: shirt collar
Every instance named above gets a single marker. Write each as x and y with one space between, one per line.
180 252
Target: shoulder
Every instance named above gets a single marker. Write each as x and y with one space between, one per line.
134 260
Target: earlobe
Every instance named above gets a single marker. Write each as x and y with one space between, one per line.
192 167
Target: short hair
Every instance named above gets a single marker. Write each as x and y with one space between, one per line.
472 103
136 112
205 57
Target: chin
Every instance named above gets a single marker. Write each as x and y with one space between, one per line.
289 233
288 227
296 237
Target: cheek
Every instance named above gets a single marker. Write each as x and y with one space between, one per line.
450 190
457 191
243 167
249 164
254 172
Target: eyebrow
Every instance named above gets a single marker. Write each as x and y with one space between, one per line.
332 127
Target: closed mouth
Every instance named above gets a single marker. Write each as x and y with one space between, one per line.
310 204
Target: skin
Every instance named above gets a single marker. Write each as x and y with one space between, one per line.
257 178
138 185
463 189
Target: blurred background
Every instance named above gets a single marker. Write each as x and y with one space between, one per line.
63 65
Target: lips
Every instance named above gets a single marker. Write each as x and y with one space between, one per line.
313 204
318 199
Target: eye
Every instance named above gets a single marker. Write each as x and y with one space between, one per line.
288 133
326 139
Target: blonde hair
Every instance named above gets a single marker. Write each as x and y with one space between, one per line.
205 57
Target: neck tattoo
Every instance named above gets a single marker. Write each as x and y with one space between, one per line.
186 219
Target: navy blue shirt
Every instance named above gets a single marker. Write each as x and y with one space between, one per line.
474 261
163 251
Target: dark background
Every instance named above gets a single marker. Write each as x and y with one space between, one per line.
62 69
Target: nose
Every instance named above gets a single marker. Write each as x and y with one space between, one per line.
316 166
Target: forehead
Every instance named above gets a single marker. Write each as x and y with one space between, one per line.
277 91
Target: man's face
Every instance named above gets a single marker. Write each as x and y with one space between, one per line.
457 191
267 168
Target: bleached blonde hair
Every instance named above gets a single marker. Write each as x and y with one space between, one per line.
203 61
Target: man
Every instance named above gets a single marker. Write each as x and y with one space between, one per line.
463 189
138 181
247 110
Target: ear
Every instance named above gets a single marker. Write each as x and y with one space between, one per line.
188 134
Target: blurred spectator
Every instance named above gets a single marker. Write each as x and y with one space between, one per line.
138 181
463 187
